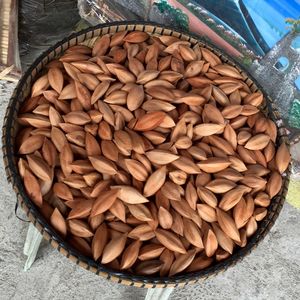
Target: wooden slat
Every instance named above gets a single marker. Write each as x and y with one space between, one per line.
9 53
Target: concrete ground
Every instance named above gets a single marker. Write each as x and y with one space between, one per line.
272 271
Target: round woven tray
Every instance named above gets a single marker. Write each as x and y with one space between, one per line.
10 128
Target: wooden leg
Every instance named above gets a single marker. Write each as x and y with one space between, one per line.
158 294
31 247
32 244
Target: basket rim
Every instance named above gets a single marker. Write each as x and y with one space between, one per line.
39 220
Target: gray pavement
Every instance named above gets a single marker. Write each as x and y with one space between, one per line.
272 271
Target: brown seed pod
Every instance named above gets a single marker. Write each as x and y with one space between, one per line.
58 222
79 228
31 144
182 262
155 181
99 241
165 218
199 263
104 201
113 249
282 158
227 225
130 255
192 233
169 240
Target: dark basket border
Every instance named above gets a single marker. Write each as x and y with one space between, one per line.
54 239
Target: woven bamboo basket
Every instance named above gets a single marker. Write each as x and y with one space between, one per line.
10 128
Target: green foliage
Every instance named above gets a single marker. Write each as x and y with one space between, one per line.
247 61
294 115
294 24
82 24
181 19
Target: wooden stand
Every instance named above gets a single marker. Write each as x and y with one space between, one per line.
10 66
31 247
